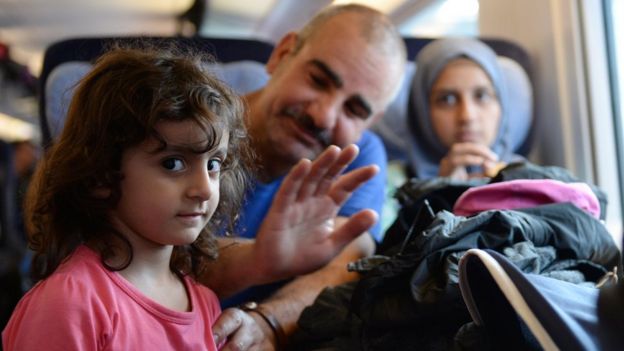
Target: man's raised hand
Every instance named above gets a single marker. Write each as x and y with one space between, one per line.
298 234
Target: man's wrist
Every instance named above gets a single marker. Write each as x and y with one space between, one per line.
271 322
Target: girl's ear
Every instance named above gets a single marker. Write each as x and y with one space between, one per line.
282 50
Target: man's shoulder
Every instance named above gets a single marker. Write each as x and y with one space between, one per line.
370 138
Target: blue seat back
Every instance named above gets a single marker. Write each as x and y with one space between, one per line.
72 58
86 50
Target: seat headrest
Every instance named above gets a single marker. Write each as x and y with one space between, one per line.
60 88
242 76
520 102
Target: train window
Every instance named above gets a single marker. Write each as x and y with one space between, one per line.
603 60
615 44
429 18
441 18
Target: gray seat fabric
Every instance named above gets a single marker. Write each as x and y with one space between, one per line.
59 90
520 93
392 128
242 76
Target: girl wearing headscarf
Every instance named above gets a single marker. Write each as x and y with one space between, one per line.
458 115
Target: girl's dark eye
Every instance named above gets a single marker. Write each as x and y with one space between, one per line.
214 165
483 95
173 164
446 100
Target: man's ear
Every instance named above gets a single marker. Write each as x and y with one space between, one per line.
282 50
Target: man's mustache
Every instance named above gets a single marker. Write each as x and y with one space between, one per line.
307 123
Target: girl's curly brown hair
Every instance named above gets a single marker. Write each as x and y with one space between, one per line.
115 107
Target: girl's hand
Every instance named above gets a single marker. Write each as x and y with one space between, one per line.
462 155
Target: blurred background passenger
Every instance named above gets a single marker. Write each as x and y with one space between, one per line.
457 122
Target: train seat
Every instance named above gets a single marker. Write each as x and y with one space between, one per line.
240 64
242 60
65 62
242 76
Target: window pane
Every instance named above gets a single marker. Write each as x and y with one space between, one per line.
615 44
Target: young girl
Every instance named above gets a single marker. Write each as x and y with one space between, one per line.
462 117
462 110
123 210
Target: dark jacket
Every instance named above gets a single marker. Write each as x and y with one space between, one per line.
409 298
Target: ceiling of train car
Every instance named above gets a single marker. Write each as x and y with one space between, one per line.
29 26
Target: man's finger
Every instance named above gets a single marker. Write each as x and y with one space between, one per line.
349 182
353 227
290 187
317 174
347 155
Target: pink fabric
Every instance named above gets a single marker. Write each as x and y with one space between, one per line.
83 306
525 193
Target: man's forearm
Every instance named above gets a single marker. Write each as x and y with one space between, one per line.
234 270
287 303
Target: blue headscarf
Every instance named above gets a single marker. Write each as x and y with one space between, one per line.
425 157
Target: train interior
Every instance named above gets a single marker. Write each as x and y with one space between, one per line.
565 63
